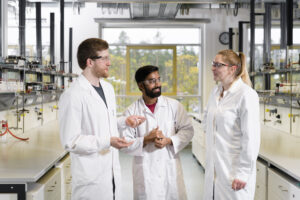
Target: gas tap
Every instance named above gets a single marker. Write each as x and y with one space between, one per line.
294 116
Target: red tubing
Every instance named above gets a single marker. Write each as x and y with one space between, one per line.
7 130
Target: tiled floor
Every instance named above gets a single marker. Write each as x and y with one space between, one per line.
193 175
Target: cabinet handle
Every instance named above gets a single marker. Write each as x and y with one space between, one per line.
50 190
281 188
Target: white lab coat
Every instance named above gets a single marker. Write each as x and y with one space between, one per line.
157 173
232 142
86 125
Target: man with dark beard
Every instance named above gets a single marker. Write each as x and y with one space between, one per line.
157 172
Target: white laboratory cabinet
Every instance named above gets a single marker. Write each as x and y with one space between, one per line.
47 188
282 187
8 197
66 178
261 181
198 142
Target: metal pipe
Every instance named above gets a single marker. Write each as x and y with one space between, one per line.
283 41
22 39
267 34
70 50
289 22
241 35
230 38
1 29
38 31
252 37
52 35
62 39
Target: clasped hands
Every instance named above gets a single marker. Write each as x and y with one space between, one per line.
156 136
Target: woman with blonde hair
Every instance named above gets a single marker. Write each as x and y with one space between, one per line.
231 123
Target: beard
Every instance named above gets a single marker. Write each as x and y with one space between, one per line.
151 93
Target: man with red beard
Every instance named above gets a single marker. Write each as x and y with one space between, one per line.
157 172
88 126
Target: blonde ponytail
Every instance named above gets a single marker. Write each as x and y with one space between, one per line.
244 72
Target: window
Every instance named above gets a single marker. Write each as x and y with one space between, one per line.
162 56
30 30
176 51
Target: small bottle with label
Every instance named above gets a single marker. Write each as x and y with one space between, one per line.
277 87
3 138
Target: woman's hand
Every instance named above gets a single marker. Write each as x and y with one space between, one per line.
238 184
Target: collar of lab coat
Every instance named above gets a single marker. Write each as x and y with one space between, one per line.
85 84
233 88
161 102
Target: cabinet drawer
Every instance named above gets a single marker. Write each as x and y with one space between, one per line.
261 173
282 186
52 184
65 165
260 191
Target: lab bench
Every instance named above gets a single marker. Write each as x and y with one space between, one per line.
28 164
278 171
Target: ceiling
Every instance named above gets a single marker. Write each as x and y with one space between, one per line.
161 9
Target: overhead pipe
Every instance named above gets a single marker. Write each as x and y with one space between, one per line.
38 32
241 35
22 40
230 38
1 29
267 34
52 38
70 51
252 36
62 40
283 26
267 43
289 22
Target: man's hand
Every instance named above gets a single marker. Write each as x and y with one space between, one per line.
163 141
119 143
155 133
238 184
134 120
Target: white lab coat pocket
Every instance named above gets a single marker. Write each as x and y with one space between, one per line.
87 169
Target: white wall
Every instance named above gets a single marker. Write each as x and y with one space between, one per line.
84 26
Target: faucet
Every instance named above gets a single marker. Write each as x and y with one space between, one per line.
294 116
20 113
277 121
55 107
39 112
274 111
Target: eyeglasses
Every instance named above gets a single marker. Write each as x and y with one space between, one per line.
105 58
152 81
218 65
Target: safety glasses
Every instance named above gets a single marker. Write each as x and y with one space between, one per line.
152 81
102 58
218 64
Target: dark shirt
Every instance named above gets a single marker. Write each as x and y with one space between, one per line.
101 93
